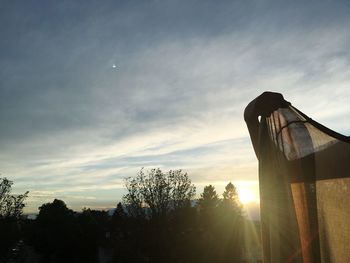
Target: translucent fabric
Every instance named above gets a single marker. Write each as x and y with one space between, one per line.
304 189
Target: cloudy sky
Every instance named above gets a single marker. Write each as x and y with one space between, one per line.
72 125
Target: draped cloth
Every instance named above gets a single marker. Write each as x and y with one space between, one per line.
304 181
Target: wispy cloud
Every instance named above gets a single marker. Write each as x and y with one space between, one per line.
71 124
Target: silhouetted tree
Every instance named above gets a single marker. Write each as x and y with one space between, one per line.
209 198
231 199
167 226
118 220
208 219
11 209
92 227
181 189
230 226
11 206
221 225
230 193
119 211
158 191
56 233
134 199
157 195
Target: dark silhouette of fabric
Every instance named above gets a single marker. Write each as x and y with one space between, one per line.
304 183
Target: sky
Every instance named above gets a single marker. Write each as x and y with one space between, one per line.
92 91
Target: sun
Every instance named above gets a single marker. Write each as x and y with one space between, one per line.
246 195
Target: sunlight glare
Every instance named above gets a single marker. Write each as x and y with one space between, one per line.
246 195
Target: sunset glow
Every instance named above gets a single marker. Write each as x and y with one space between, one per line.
247 195
157 84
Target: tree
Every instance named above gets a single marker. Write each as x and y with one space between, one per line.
11 206
89 233
54 212
11 209
118 221
231 225
221 225
231 199
158 191
160 196
119 212
56 233
183 190
134 200
208 204
209 198
230 192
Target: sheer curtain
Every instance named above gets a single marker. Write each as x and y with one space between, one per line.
304 189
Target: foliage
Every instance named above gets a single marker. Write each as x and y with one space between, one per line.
221 222
61 235
158 191
11 206
231 200
11 209
158 221
55 230
209 198
57 211
230 193
119 214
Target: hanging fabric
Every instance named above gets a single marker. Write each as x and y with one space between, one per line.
304 177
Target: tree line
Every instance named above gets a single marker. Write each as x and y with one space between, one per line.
158 220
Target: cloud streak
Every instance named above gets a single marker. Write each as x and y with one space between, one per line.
72 124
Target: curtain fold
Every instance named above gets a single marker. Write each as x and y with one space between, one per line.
304 189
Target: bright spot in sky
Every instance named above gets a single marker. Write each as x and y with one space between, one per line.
114 66
246 195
